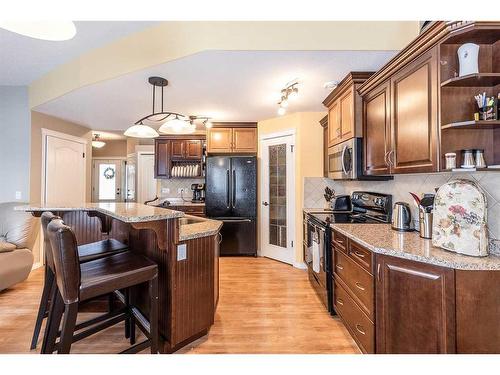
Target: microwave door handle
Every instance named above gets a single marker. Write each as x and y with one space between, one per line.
342 159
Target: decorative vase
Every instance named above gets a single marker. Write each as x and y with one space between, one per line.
468 59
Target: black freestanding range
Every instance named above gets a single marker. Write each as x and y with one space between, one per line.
231 196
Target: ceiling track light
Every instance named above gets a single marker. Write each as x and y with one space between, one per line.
291 91
171 122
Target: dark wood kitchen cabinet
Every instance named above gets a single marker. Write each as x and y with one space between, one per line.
177 150
415 307
344 109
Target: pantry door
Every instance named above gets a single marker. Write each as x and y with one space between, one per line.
277 193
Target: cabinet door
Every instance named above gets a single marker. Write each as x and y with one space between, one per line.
415 307
244 140
347 115
414 116
219 140
325 151
334 132
376 130
193 149
162 160
177 149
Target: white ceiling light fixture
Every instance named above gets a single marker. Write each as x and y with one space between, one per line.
171 122
291 91
44 30
96 143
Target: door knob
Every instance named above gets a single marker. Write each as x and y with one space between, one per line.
265 203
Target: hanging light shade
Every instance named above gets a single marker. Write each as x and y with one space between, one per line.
96 143
141 131
45 30
171 122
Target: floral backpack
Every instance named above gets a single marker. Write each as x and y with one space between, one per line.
459 218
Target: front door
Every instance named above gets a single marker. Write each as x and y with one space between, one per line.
107 181
277 224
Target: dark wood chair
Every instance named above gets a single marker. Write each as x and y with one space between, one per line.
88 252
77 283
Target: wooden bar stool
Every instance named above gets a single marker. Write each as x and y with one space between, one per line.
77 283
88 252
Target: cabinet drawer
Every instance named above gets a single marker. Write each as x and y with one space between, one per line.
361 255
361 328
359 282
339 240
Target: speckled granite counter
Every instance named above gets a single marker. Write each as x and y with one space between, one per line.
126 212
200 228
380 238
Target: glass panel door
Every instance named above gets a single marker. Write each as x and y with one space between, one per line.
277 195
107 181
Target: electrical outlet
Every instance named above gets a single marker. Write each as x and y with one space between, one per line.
18 195
165 190
181 252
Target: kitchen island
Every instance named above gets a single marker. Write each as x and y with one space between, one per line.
186 249
396 293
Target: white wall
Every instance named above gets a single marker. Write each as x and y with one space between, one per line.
15 133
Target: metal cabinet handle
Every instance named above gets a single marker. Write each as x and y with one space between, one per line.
391 161
360 329
340 267
378 271
358 254
340 302
220 238
359 286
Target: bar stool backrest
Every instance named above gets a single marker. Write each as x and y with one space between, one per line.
65 253
46 218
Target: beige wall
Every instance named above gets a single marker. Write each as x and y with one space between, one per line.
308 157
40 121
113 149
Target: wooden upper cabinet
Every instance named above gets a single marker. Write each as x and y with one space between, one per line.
415 116
376 128
244 140
415 307
177 149
344 109
334 131
346 103
193 149
162 167
232 138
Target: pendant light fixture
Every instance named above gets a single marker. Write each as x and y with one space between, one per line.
45 30
97 143
171 122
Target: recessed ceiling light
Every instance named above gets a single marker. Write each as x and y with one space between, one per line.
45 30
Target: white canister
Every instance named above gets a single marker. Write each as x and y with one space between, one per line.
468 54
451 160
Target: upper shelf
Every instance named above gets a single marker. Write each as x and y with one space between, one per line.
473 80
490 124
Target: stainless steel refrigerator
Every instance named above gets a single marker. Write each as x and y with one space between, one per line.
231 196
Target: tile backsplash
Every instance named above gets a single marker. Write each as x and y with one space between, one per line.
402 184
175 184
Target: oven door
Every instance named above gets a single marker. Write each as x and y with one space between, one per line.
342 160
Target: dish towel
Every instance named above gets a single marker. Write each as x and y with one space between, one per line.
316 256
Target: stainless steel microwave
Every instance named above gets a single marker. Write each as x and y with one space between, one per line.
345 161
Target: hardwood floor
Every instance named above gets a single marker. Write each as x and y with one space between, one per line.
264 307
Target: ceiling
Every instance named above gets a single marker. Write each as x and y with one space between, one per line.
24 59
225 85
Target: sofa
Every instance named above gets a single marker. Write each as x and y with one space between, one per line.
17 230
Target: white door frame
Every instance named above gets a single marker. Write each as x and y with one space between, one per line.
290 195
95 177
139 173
46 133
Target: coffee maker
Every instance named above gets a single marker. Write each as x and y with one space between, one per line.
198 193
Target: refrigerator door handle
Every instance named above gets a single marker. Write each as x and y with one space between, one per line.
233 200
236 220
227 188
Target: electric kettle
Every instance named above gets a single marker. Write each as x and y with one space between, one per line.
401 217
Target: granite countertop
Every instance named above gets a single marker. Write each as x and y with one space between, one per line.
380 238
200 227
126 212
